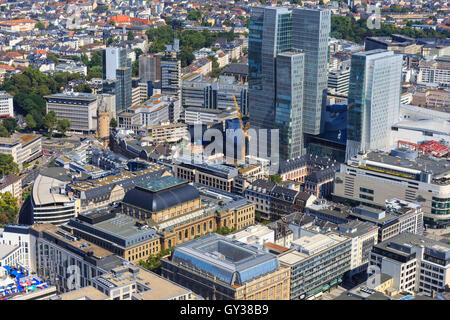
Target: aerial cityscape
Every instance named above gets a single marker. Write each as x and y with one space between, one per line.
224 150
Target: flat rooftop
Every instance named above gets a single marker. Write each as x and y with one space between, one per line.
122 226
292 257
43 195
421 163
86 293
64 236
122 175
155 287
403 242
318 242
73 95
162 183
221 257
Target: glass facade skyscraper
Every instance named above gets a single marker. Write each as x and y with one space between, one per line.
269 35
123 89
273 32
373 100
117 76
310 33
289 101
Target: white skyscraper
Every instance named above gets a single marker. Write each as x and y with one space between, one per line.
373 100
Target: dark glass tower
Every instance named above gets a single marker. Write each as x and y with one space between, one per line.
288 53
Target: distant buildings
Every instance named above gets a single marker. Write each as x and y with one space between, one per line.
273 201
197 92
338 81
171 71
218 268
395 42
196 115
434 72
213 175
150 67
156 110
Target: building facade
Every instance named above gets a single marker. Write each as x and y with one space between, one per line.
372 178
218 268
373 100
77 107
317 263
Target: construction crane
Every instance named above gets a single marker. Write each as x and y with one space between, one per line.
247 125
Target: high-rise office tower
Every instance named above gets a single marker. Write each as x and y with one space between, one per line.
310 33
270 34
171 71
117 76
123 89
150 67
113 59
274 31
289 101
373 100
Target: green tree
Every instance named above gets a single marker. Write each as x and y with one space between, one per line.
10 124
113 123
53 57
130 35
275 178
225 230
39 25
186 57
194 15
29 120
63 125
138 53
50 121
153 262
7 164
135 68
8 208
83 88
